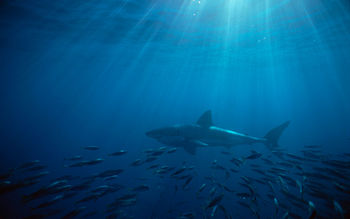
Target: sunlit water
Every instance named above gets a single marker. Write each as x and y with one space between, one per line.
80 73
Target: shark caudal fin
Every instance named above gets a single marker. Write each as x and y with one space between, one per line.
274 134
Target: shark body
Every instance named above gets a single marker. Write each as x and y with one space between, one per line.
204 133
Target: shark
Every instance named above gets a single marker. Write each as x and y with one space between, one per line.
204 133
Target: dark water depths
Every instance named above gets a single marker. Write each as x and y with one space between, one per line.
82 73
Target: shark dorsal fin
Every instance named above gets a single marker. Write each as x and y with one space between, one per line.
205 119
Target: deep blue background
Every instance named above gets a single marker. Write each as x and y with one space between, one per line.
77 73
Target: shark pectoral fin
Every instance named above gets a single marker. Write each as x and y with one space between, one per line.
190 149
205 119
191 146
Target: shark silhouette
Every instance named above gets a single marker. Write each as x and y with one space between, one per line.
204 133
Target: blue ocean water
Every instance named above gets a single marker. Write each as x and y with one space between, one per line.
83 73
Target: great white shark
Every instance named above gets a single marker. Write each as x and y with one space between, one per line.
204 133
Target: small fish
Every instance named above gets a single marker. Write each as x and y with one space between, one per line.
87 163
136 162
68 195
74 212
223 209
92 148
187 215
271 186
212 191
35 168
283 183
118 153
245 179
277 205
227 189
341 187
313 214
6 175
213 211
237 162
243 195
301 188
141 188
111 177
311 206
172 150
150 159
244 204
92 197
28 164
202 187
233 170
109 173
254 155
94 162
104 189
7 186
126 197
153 166
4 183
218 167
50 202
189 179
162 148
164 167
251 189
182 169
214 201
79 164
286 215
37 176
81 187
74 158
52 188
338 208
161 171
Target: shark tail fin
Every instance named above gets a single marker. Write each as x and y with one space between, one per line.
274 134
